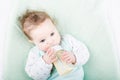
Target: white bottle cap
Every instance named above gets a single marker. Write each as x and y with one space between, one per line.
57 47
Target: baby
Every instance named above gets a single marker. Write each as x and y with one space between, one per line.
42 62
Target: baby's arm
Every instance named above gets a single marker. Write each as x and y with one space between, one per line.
79 49
36 68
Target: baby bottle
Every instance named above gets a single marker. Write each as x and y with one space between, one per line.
61 66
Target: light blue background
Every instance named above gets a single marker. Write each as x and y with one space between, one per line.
84 19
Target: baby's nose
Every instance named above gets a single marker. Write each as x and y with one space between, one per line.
51 41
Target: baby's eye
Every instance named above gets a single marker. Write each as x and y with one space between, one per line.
43 40
52 34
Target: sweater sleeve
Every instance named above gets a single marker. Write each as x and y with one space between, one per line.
79 49
36 68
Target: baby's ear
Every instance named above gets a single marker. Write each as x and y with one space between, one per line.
30 41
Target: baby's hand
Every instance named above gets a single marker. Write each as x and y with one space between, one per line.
68 57
49 56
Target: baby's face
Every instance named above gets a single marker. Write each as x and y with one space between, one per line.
45 35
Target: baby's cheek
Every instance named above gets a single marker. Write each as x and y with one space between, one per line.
57 41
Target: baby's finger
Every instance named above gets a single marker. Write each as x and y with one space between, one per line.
65 53
68 61
65 59
52 56
64 56
50 52
54 59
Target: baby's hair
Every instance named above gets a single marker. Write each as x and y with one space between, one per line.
31 19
